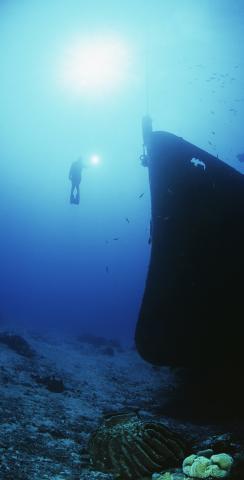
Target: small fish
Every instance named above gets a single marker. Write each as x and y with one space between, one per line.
196 162
140 196
116 238
127 220
107 269
212 112
210 143
213 133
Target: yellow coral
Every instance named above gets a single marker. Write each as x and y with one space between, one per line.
223 460
217 466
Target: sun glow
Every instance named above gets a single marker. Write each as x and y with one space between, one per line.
97 66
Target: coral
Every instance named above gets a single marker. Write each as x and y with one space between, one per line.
217 466
130 448
196 466
165 476
223 460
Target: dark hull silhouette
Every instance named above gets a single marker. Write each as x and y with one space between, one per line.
192 309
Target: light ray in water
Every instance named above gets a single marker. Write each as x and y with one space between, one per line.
94 66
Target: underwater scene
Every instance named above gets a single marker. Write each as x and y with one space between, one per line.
122 240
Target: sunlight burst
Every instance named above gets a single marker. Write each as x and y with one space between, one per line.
97 66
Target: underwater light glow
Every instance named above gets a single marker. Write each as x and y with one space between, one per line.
95 159
96 66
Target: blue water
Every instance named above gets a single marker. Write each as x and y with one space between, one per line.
60 264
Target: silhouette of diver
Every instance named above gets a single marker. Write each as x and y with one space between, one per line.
75 178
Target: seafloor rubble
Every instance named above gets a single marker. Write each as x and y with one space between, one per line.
55 390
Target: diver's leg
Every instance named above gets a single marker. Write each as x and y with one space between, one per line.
72 197
78 193
76 196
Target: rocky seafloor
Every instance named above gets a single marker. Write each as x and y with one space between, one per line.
54 391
